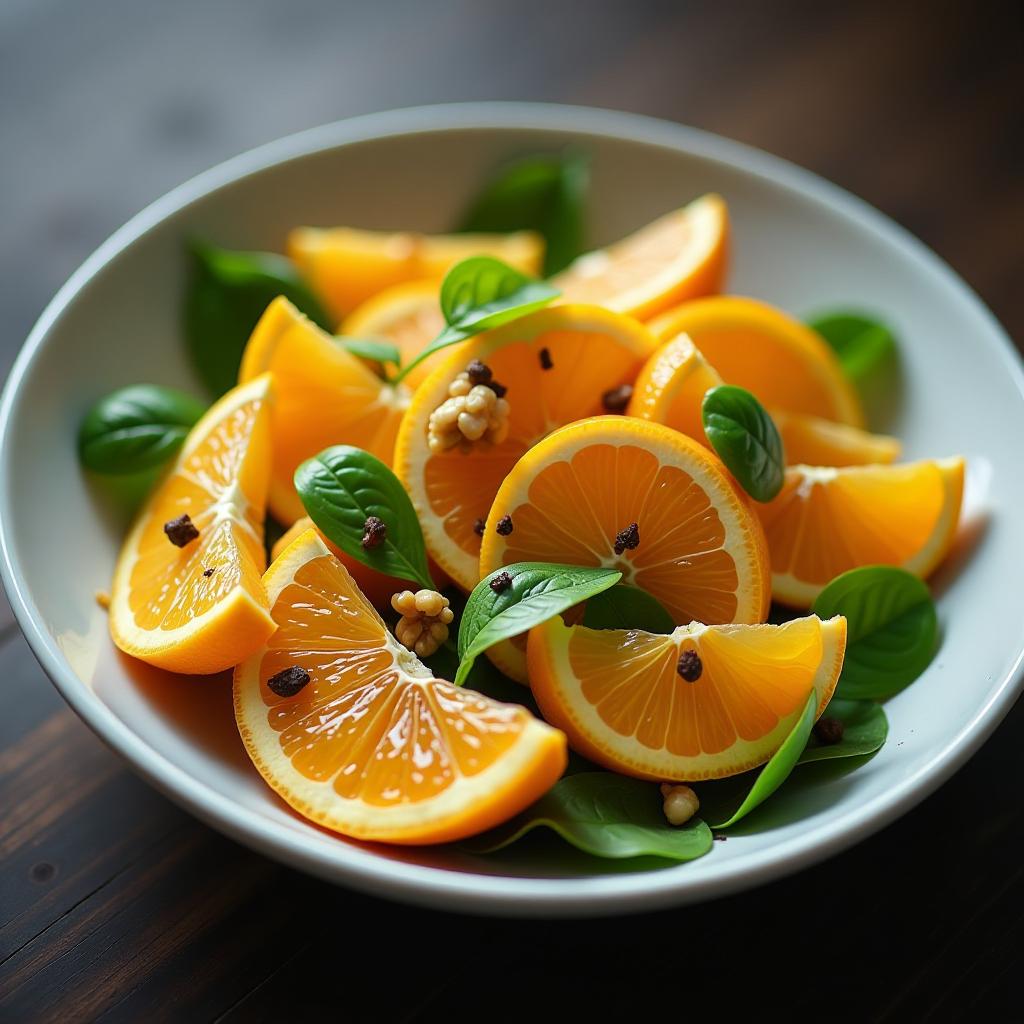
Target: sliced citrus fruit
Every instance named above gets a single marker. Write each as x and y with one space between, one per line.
345 266
201 607
813 441
679 256
589 351
671 387
323 395
755 346
645 499
371 744
700 703
408 315
828 520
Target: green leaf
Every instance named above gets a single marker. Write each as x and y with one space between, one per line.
480 293
378 351
782 762
136 428
861 343
546 194
537 591
627 607
340 487
892 629
605 815
746 440
865 729
227 294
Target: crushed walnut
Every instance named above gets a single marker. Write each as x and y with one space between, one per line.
423 626
475 410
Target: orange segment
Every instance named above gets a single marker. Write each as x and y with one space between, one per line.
828 520
677 257
346 266
590 351
701 551
408 315
374 746
755 346
201 608
323 396
622 702
671 387
811 441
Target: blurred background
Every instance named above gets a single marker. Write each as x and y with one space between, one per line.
114 905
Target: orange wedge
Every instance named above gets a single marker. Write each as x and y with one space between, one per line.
201 608
677 257
812 441
828 520
701 551
373 746
346 266
590 351
755 346
323 395
408 315
626 701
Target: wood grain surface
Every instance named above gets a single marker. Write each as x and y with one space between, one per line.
117 906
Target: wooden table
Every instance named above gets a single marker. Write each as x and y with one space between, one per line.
117 906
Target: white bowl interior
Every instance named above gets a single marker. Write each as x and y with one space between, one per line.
797 242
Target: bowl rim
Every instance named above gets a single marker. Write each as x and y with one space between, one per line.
442 887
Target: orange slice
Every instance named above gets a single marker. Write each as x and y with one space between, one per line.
323 395
701 550
828 520
201 608
679 256
755 346
373 746
590 351
408 315
346 266
812 441
620 697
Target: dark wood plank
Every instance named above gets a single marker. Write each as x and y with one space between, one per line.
116 906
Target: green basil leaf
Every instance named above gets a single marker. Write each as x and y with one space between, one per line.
781 763
480 293
861 343
605 815
627 607
343 485
546 194
136 428
891 629
538 590
746 440
227 294
378 351
865 729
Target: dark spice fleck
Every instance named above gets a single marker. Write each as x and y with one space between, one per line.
479 373
618 398
374 533
208 572
499 389
504 526
546 362
627 539
500 582
690 666
829 731
479 526
289 681
181 531
719 837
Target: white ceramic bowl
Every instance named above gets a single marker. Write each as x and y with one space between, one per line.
799 242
